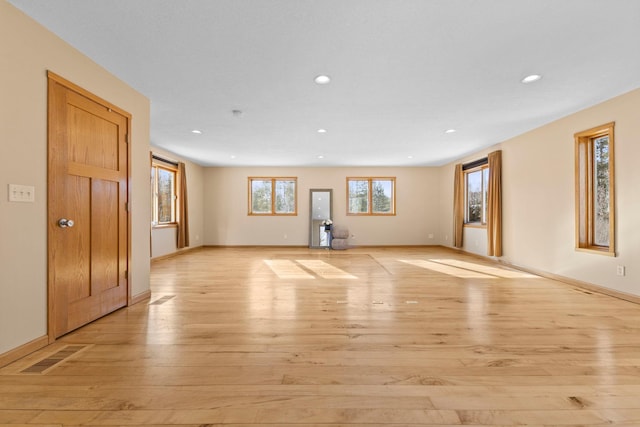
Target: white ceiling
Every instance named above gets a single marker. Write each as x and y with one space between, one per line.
403 72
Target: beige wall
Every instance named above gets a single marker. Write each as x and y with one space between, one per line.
163 240
27 51
539 205
227 222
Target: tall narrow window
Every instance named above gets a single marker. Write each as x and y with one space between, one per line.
163 191
272 196
476 180
595 228
371 196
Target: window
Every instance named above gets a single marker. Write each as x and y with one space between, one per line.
594 190
371 196
163 190
272 196
476 181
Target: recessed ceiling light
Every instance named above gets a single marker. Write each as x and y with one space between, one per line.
232 156
450 131
322 131
532 78
409 157
321 156
196 131
322 79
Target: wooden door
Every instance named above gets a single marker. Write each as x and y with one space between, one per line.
88 182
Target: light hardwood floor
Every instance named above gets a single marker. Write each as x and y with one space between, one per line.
364 337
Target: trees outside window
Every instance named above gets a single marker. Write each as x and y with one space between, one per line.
602 192
476 195
285 195
163 191
272 196
595 206
358 196
371 196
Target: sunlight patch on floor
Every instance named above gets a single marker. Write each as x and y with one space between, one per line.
325 270
494 271
446 269
286 269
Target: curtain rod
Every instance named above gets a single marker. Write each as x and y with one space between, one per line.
475 163
162 159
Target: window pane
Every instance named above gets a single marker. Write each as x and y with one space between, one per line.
595 207
285 196
154 195
381 196
474 196
601 191
261 196
166 193
358 196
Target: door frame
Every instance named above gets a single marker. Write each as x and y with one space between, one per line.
51 79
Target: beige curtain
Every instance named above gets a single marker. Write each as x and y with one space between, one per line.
183 211
152 190
494 205
458 206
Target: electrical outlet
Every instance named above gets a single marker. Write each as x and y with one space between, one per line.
620 270
431 235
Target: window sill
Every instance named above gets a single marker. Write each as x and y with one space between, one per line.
371 214
597 251
475 225
170 225
272 214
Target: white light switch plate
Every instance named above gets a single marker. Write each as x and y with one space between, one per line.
22 193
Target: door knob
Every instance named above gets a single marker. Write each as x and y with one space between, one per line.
64 223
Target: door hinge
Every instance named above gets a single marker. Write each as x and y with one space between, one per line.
126 138
126 206
126 274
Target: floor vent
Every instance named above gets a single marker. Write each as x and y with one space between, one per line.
53 360
162 300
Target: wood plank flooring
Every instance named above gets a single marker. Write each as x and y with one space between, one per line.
364 337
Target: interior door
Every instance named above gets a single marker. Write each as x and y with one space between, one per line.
87 216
